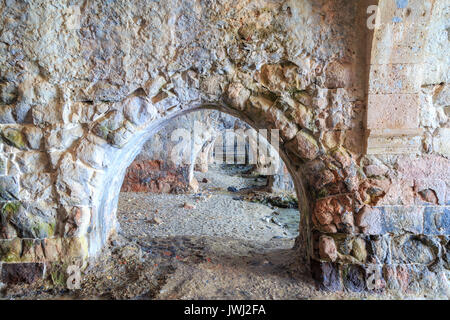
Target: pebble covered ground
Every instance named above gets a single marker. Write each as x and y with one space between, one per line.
212 211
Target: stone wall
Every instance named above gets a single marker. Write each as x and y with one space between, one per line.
84 86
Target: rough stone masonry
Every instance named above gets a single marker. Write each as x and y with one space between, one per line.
363 117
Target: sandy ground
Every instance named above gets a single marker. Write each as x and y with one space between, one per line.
194 246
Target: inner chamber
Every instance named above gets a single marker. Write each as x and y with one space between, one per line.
208 174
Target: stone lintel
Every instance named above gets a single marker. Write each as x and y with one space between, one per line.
394 141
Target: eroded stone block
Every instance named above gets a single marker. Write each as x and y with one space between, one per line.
17 273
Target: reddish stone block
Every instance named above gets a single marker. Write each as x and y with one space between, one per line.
153 176
425 167
327 248
337 210
304 146
16 273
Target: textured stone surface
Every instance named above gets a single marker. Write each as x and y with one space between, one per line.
327 248
327 274
83 87
149 176
354 278
14 273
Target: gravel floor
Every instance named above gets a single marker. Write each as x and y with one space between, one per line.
215 215
213 211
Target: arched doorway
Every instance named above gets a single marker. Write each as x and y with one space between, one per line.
109 199
230 227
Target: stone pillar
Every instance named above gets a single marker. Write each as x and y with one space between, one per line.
395 79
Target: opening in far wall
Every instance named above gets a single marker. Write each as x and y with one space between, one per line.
206 191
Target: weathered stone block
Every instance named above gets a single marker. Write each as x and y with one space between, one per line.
429 167
415 279
278 78
53 249
406 12
430 191
32 251
36 186
237 95
354 278
75 181
327 248
437 221
396 192
84 112
14 137
62 137
95 152
153 86
139 111
48 112
17 273
8 93
400 219
29 219
398 42
395 78
9 188
335 210
34 136
379 249
414 249
73 221
304 146
393 111
359 250
441 142
121 136
32 162
398 141
370 220
375 170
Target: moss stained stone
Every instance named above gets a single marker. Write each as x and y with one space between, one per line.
15 138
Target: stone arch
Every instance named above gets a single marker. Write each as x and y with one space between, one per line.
114 159
86 121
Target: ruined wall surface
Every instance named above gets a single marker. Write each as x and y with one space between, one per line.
83 86
167 161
